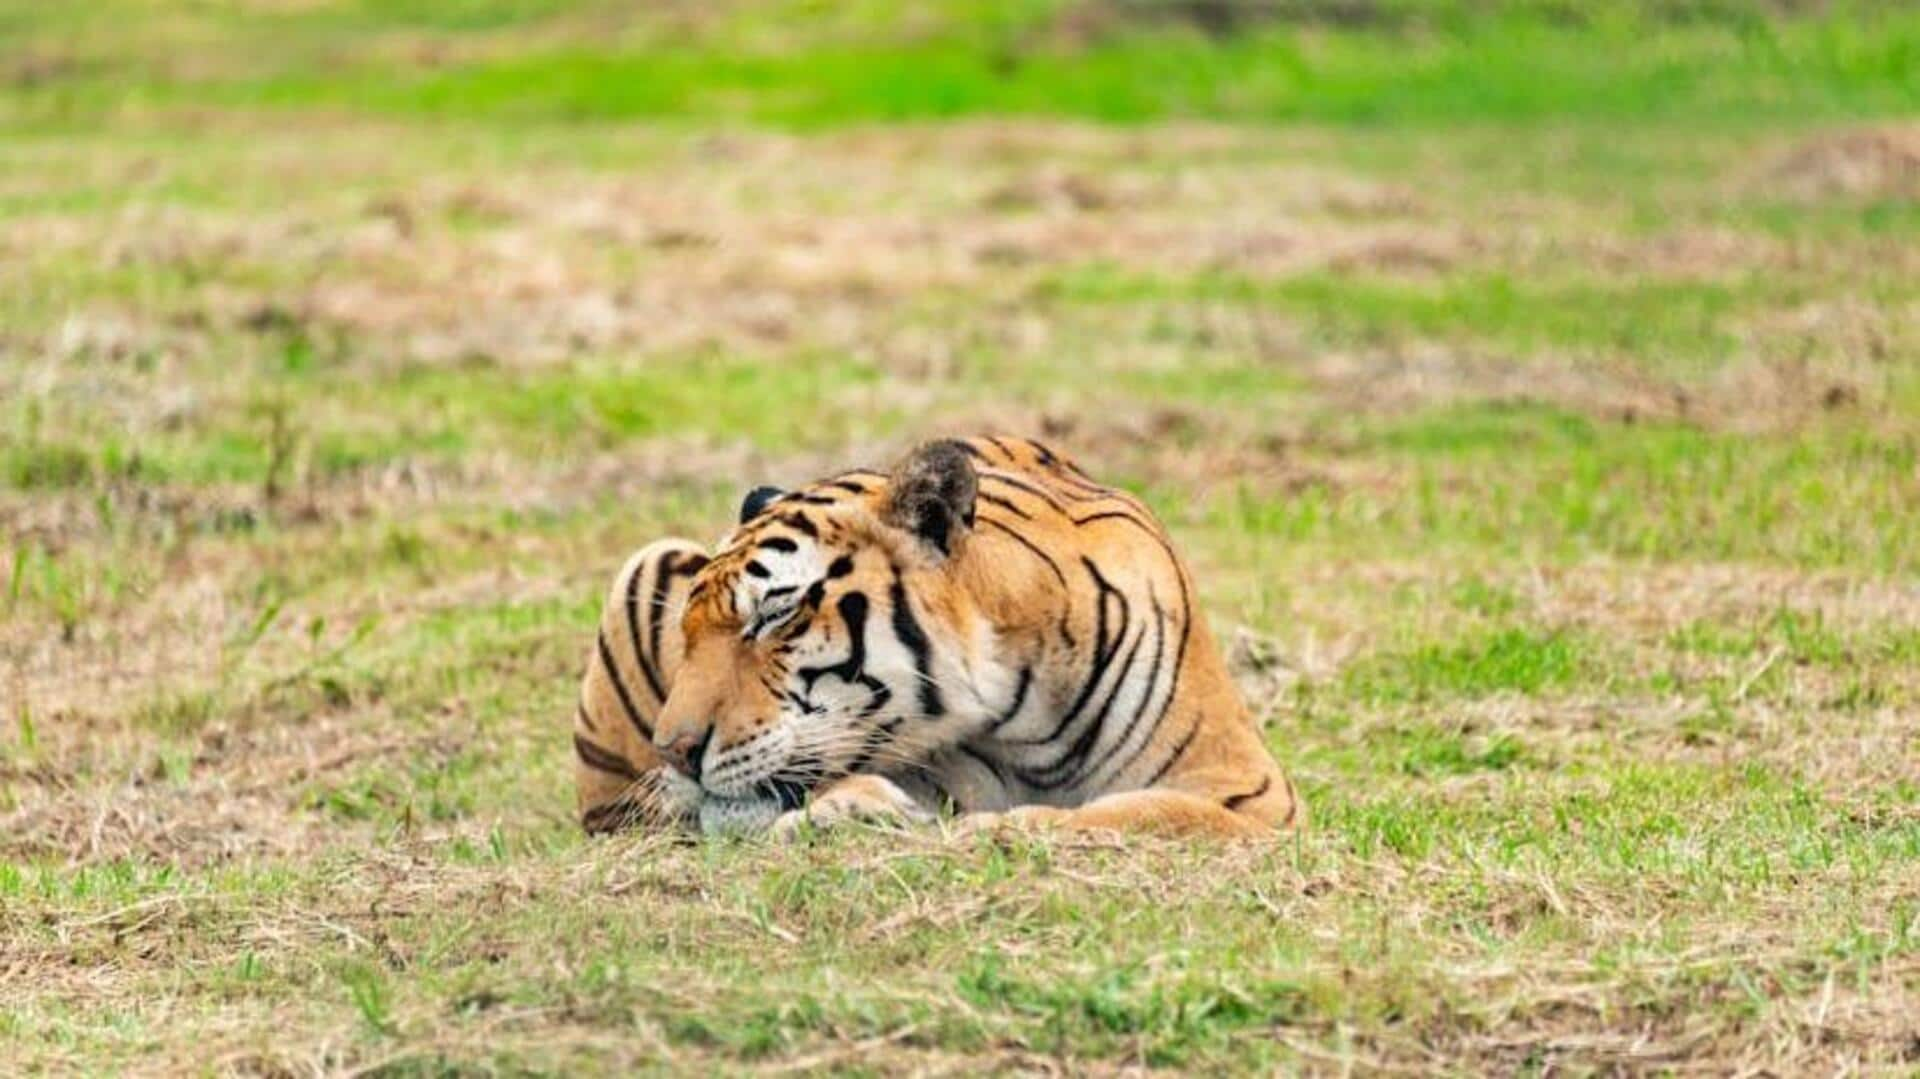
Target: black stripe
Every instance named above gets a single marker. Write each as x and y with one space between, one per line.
1004 503
1124 515
581 716
848 485
879 736
1055 774
1159 536
1071 475
620 690
664 566
1045 455
1019 699
1066 634
779 543
907 628
786 793
991 765
1238 800
605 760
1103 651
1059 490
680 567
878 695
853 611
1178 751
799 523
767 618
1029 545
1179 667
611 816
1146 697
1074 468
1018 484
755 569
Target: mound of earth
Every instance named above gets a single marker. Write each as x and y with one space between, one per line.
1879 163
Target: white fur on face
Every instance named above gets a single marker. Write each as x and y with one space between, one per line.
759 599
763 600
675 796
875 716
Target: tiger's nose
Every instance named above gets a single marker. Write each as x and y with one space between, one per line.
685 750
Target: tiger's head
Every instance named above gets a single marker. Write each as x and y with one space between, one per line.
832 631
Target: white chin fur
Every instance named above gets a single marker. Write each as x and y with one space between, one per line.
678 796
733 816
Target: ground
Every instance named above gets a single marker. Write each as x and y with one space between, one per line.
1545 437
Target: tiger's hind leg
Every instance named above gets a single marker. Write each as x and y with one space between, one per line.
618 777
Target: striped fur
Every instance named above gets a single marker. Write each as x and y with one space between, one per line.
618 776
985 626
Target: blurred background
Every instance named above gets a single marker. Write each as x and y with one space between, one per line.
1535 386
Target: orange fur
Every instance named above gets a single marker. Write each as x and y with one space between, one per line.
1007 559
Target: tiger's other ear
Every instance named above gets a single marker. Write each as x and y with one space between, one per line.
931 493
757 500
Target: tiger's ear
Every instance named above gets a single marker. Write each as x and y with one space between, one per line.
757 500
931 493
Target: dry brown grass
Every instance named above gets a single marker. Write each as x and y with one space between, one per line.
1621 782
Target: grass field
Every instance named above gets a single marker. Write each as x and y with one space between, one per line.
1535 388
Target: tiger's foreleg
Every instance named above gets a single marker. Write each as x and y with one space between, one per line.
1158 811
860 797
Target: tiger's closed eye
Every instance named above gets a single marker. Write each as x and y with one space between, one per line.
777 608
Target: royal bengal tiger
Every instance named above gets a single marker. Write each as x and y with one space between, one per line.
984 630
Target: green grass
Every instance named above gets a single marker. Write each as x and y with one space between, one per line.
1483 72
1663 320
1540 483
300 423
1511 660
1546 457
1419 64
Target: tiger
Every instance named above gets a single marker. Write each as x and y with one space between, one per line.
982 631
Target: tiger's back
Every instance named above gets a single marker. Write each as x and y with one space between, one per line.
1141 697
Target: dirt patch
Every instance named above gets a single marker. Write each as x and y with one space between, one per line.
1754 395
241 796
1413 377
1658 599
1874 163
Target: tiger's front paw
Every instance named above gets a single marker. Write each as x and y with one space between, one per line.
1019 818
856 798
